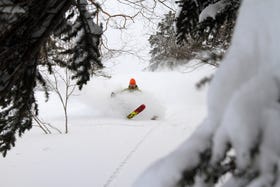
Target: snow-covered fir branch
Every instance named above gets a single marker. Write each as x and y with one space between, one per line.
239 137
25 29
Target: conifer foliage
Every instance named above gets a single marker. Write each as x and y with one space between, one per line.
26 26
197 20
165 51
202 31
208 24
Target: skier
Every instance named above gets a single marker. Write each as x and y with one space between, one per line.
132 86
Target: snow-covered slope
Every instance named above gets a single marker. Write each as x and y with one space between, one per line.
103 148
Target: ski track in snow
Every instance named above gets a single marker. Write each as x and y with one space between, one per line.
129 155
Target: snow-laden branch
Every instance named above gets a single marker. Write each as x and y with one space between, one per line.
7 6
212 10
240 135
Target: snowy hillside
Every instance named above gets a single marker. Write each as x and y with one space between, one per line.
103 148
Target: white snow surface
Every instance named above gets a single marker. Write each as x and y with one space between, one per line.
103 148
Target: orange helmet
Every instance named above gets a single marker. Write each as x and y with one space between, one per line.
132 82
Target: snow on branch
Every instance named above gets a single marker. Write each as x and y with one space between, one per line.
6 6
212 10
239 137
23 34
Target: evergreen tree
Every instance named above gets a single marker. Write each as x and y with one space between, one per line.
25 27
165 51
212 33
207 24
239 137
204 30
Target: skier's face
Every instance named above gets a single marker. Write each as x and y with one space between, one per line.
132 86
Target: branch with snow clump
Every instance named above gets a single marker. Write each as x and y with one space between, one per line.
212 10
243 113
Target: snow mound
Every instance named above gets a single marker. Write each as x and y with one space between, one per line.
125 102
99 103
